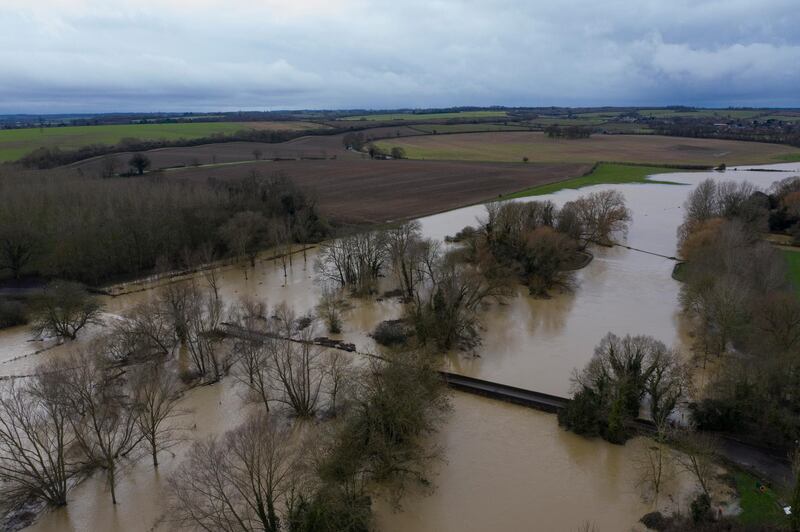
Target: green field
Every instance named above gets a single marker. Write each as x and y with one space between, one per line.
606 115
793 258
467 128
580 120
604 174
784 118
428 116
699 113
757 508
15 143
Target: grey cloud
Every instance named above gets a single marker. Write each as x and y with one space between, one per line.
108 55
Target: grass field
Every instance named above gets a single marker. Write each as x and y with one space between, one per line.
580 120
784 118
757 508
604 174
699 113
428 116
15 143
793 258
537 147
467 128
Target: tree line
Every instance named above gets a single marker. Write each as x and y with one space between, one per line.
92 230
745 312
567 132
777 133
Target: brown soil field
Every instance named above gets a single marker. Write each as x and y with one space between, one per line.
365 191
312 147
654 149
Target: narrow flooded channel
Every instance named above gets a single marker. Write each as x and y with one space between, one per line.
505 467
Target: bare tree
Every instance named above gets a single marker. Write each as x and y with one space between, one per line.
654 467
244 233
696 458
156 394
207 257
446 312
404 245
18 247
329 309
139 162
354 261
601 215
339 373
144 331
297 371
109 166
281 237
63 309
203 316
240 482
35 440
102 417
176 301
778 318
666 385
253 368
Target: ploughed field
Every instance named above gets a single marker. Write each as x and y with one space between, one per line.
16 143
537 147
365 191
310 147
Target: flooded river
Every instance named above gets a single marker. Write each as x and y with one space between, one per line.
505 467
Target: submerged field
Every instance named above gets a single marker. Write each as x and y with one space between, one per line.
16 143
537 147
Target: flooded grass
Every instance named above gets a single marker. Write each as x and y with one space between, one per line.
603 174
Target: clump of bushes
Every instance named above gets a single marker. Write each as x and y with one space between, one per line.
539 243
464 234
392 332
611 387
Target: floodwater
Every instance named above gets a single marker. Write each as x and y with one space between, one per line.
505 467
511 468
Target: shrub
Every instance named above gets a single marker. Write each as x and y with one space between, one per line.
701 509
654 521
391 332
582 414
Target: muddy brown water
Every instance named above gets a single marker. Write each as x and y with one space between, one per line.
505 467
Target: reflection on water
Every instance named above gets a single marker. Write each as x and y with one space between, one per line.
506 467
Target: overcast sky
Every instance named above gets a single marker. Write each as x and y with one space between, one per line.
176 55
